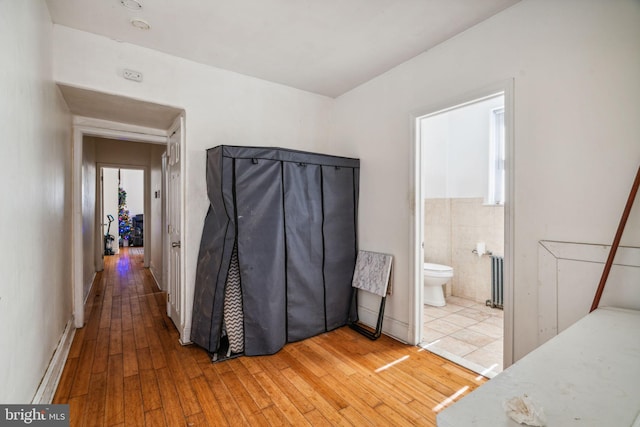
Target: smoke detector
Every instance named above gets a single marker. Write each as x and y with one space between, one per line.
140 24
131 4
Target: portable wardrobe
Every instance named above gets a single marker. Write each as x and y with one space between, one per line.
278 249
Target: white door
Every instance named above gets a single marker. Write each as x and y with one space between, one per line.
175 294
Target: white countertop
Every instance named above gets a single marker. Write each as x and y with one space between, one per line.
589 375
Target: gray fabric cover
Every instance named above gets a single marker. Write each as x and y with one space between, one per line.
303 205
293 216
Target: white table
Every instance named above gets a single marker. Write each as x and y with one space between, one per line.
589 375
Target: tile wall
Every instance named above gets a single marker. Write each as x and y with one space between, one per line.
452 227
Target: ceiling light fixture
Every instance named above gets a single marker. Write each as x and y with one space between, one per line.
131 4
140 23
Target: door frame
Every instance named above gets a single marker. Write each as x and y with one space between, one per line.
84 126
165 224
417 213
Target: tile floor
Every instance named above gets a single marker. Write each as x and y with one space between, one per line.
467 333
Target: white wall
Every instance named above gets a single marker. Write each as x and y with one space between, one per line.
88 214
221 107
35 275
456 151
132 181
469 149
575 65
434 134
123 153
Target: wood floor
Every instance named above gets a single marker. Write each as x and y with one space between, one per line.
127 368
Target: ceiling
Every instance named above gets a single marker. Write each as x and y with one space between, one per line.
115 108
324 46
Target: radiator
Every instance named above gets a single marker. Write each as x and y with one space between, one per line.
497 282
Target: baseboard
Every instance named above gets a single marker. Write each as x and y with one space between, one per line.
154 273
185 337
51 378
390 326
91 283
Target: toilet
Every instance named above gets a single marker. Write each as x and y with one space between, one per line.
435 275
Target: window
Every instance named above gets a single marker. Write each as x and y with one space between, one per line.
496 158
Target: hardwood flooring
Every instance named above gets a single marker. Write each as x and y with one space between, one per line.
127 368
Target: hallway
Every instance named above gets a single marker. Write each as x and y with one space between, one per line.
127 368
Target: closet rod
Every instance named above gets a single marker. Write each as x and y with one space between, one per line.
616 242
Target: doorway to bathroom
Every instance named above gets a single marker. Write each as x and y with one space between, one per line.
464 190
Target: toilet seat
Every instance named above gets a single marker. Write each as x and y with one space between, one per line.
438 270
